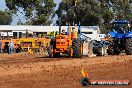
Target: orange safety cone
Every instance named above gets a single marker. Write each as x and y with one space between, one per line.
85 81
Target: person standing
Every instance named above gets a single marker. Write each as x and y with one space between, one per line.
34 35
10 45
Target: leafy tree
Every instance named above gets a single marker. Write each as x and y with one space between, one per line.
122 9
114 9
106 13
37 12
86 12
5 19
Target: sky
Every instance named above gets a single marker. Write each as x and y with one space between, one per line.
16 19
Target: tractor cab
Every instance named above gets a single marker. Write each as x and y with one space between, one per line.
65 38
121 26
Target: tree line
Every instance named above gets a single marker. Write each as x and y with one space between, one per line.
83 12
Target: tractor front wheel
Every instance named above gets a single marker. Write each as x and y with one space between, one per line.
18 50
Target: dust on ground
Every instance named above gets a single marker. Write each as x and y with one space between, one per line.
35 71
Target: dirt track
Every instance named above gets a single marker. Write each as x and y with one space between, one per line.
34 71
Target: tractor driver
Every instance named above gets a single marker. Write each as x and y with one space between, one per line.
63 32
121 30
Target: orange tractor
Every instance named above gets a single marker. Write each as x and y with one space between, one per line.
66 43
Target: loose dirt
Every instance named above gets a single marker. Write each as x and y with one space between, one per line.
35 71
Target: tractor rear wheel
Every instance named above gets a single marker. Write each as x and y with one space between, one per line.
77 47
118 51
129 46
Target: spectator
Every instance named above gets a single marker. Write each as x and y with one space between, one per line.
10 45
34 35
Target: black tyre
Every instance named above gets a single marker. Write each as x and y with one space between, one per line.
19 49
50 51
5 50
56 55
77 45
111 50
51 48
85 81
118 51
129 46
69 51
53 42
